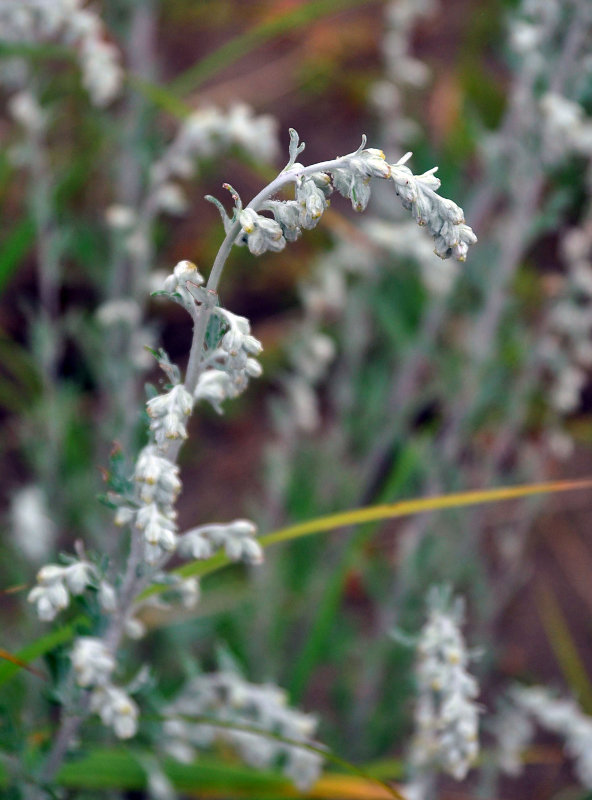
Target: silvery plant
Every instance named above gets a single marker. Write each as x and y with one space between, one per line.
223 358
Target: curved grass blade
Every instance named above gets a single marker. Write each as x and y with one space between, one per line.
39 647
4 654
404 508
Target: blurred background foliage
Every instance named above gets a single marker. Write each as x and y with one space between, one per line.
406 408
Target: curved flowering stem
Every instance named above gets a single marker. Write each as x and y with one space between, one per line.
216 371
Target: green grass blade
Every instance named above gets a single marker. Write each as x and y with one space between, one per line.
14 248
40 647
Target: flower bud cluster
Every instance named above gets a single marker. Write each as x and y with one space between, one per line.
442 217
27 21
237 538
157 487
156 477
351 177
353 180
229 698
93 666
563 718
446 715
227 369
169 413
55 584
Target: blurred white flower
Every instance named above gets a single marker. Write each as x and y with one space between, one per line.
33 529
92 662
116 709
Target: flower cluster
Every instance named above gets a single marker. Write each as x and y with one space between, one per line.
446 715
168 414
237 539
93 666
227 368
351 177
66 21
227 698
561 717
55 584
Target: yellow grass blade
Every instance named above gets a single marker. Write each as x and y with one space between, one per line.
357 516
405 508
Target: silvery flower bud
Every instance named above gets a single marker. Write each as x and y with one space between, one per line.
372 163
312 202
107 597
360 193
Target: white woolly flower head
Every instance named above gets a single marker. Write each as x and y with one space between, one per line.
228 367
169 413
261 233
93 664
116 709
55 583
159 528
157 477
446 714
